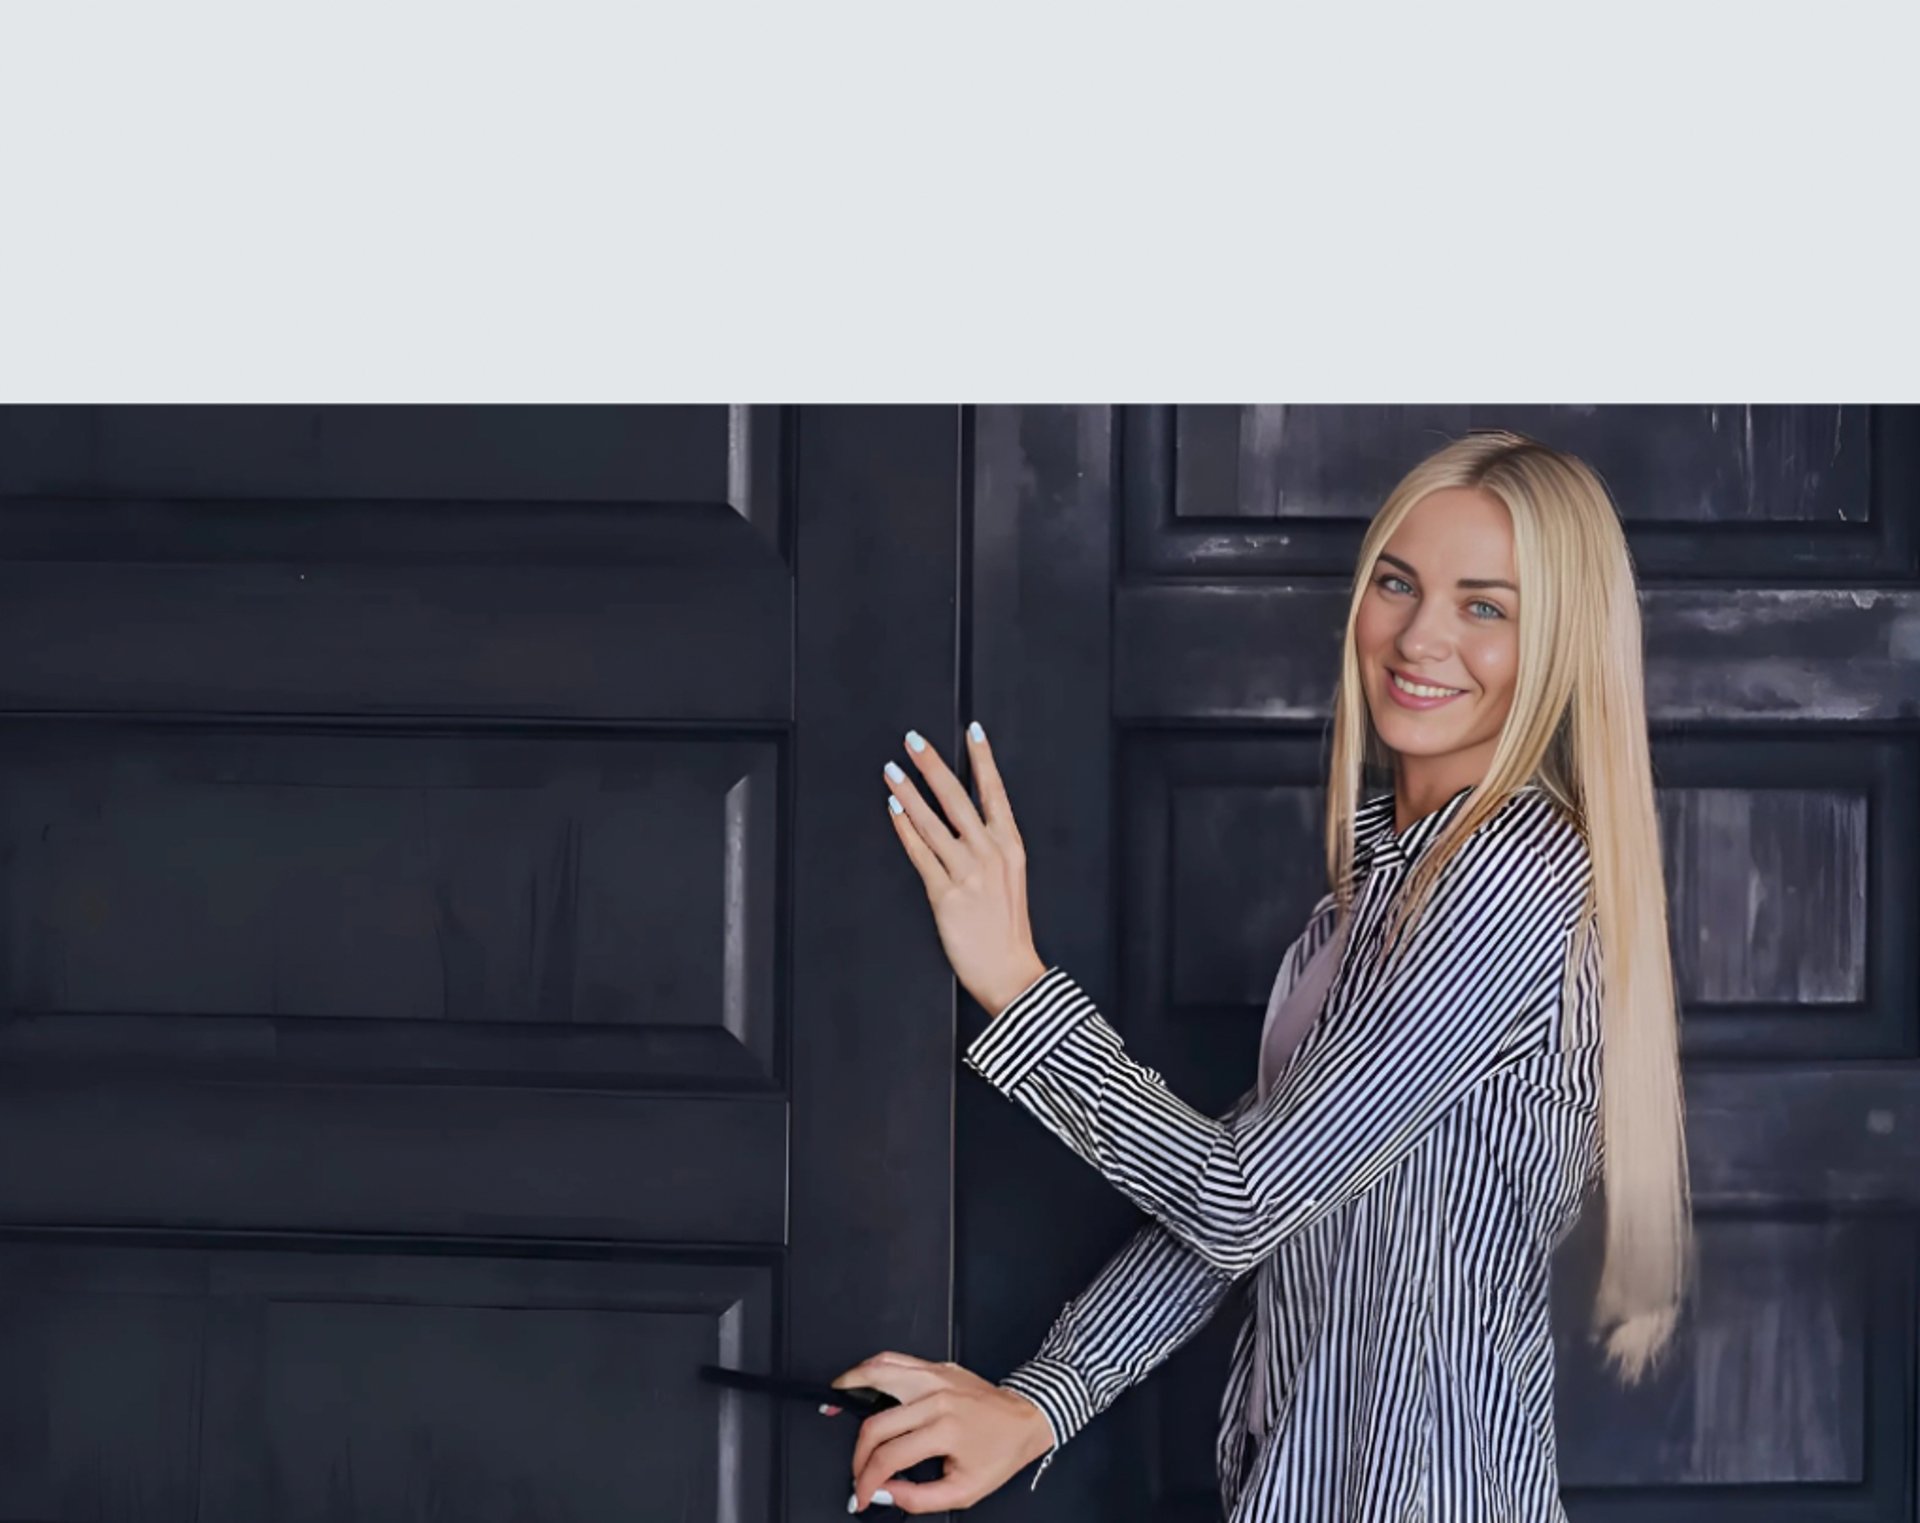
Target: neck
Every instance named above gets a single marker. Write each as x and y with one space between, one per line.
1422 784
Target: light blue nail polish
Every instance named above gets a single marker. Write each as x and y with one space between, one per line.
894 772
853 1502
894 804
914 740
883 1497
975 732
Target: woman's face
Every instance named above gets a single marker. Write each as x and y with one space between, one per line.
1442 613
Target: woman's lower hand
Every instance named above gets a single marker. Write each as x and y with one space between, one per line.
975 873
984 1433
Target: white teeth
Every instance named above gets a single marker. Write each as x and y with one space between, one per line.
1421 690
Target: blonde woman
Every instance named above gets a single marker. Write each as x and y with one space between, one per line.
1476 1025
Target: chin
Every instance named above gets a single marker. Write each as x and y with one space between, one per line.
1418 743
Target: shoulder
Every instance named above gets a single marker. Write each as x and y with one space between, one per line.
1531 838
1539 821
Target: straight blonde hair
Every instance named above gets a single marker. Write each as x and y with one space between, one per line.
1578 730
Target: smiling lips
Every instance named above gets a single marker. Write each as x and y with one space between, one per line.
1418 695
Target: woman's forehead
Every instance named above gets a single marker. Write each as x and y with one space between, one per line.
1457 532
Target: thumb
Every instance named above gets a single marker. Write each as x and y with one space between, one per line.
943 1495
902 1381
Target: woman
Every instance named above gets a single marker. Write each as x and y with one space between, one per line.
1498 1034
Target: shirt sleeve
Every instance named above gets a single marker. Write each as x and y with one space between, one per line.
1152 1297
1408 1043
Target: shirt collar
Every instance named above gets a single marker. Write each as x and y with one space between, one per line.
1376 841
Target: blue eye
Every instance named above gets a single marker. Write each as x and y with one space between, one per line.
1494 610
1390 577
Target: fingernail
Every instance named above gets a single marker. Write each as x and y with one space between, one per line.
894 772
827 1411
853 1502
914 740
894 804
975 733
883 1497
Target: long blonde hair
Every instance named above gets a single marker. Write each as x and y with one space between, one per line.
1578 730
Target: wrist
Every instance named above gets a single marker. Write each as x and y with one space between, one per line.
1007 990
1037 1429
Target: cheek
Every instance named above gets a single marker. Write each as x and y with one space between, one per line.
1493 659
1373 628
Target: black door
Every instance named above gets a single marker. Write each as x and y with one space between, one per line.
1157 600
455 954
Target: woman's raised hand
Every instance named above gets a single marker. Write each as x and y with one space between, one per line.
975 872
984 1433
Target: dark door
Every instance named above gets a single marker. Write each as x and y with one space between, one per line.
1157 600
456 962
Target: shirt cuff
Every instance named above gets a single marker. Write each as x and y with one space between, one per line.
1018 1039
1062 1396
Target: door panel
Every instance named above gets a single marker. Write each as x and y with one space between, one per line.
242 1385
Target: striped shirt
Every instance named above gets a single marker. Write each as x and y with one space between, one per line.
1397 1196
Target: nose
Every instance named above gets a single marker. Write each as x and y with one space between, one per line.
1422 638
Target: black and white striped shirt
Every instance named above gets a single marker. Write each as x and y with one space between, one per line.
1399 1192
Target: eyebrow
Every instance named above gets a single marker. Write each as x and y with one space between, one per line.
1475 583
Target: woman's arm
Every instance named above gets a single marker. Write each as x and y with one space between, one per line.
1149 1300
1153 1296
1488 951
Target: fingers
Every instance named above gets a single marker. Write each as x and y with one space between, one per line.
946 787
932 1440
935 871
943 1495
994 803
883 1427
